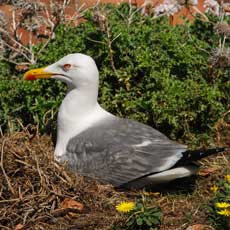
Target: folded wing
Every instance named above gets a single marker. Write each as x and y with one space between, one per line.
118 151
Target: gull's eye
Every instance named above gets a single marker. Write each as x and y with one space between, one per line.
66 67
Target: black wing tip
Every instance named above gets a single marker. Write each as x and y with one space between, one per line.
195 155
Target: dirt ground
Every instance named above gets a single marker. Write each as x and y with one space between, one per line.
34 191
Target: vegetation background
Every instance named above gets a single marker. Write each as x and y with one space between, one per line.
149 71
175 79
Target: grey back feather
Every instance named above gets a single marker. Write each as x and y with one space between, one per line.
112 151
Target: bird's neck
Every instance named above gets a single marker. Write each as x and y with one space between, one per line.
79 101
79 110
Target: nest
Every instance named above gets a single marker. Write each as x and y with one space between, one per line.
36 192
34 187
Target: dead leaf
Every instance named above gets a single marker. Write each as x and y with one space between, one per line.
199 227
151 193
70 203
207 171
19 227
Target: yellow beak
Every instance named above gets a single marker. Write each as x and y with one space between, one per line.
34 74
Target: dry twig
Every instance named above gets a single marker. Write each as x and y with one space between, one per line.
39 21
3 170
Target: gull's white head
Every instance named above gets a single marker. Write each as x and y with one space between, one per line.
77 70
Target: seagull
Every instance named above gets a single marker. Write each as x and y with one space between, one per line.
97 144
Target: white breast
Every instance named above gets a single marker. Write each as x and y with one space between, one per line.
71 126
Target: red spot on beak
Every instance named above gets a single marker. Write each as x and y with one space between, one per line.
30 77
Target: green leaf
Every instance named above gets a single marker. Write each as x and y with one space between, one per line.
139 221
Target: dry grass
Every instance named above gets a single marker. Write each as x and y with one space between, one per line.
33 187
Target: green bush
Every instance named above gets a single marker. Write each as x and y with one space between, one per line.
149 71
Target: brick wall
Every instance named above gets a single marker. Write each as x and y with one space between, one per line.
70 10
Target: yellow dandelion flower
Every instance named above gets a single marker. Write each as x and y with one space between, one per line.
224 212
125 206
214 188
227 178
222 205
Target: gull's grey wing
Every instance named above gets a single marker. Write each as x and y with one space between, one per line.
118 151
